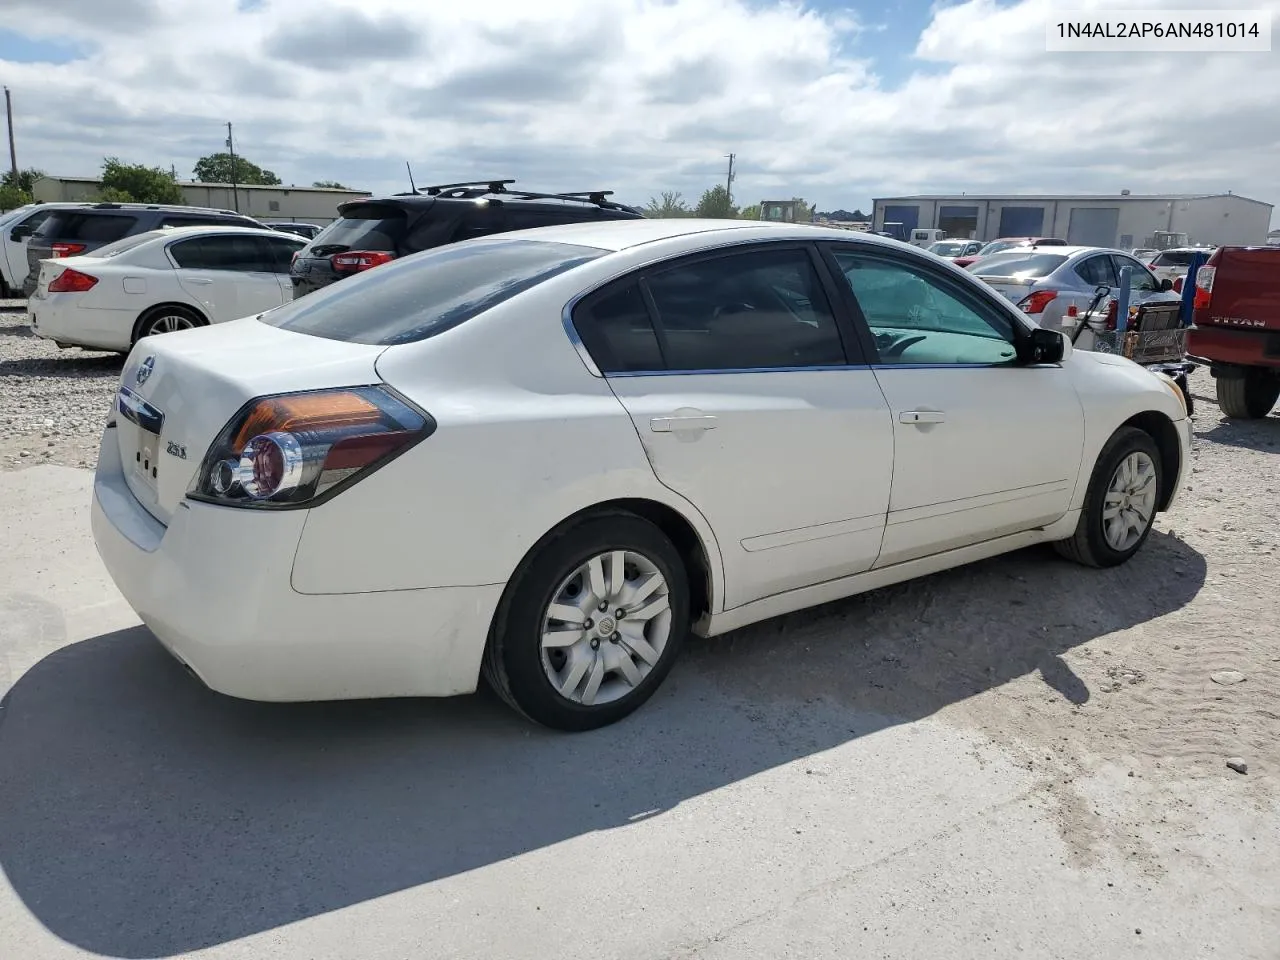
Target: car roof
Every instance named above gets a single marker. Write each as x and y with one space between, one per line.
616 235
170 233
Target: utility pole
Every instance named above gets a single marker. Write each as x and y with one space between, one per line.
13 153
728 182
231 149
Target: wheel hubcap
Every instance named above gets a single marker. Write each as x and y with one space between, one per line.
1130 501
606 627
170 323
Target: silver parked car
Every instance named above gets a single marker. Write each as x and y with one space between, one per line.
1044 283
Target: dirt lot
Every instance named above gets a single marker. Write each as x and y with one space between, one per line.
1122 694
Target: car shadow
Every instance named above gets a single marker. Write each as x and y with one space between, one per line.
145 815
1261 435
71 364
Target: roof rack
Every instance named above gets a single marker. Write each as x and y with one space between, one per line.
491 186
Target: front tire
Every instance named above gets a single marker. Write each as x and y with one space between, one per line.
1248 397
591 624
1120 505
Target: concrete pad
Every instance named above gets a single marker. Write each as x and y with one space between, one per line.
142 815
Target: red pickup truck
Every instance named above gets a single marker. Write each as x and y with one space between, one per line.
1237 328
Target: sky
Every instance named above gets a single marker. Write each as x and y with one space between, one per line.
837 101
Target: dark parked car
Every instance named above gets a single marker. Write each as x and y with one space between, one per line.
71 233
306 230
371 232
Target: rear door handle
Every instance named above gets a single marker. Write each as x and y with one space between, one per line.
199 280
668 424
922 416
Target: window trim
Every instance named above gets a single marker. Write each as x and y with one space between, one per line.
855 358
979 300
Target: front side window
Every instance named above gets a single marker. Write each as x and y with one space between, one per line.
754 310
1141 279
918 318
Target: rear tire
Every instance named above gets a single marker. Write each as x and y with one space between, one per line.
1117 499
1248 397
562 671
168 318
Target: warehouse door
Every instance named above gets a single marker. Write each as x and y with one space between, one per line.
1093 226
1021 222
961 222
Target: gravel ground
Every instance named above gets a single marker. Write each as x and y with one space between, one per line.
52 402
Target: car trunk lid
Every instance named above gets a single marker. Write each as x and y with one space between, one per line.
178 390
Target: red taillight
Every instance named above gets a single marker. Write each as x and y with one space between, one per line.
67 249
1204 286
294 449
1036 302
72 281
356 261
1113 311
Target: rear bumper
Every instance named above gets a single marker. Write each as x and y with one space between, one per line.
214 588
78 326
1227 346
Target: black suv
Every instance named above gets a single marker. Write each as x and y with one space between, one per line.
373 231
71 233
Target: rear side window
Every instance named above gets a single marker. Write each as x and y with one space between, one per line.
417 297
363 227
617 331
88 227
238 254
1029 265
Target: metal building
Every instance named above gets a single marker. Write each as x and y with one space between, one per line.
1120 220
279 202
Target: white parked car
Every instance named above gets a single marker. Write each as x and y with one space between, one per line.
16 226
1172 264
160 282
549 455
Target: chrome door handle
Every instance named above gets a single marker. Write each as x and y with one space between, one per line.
198 280
922 416
668 424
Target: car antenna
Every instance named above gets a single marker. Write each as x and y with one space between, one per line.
411 184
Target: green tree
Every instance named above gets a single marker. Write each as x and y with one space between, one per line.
804 211
217 168
750 213
18 190
716 204
136 183
328 185
671 204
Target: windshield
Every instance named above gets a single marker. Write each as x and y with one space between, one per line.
1022 266
427 293
948 248
995 246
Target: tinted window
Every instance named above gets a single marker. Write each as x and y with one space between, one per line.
240 254
1097 271
916 317
1031 266
745 311
282 251
34 221
88 227
420 296
364 227
617 330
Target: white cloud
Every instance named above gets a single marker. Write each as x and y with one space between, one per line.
641 96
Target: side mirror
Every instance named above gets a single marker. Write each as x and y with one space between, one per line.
1044 346
1166 284
18 234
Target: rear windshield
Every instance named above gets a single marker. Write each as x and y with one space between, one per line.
365 227
948 248
89 227
1173 258
128 243
1021 265
425 294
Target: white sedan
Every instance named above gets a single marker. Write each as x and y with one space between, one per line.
160 282
548 456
